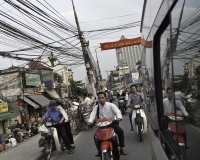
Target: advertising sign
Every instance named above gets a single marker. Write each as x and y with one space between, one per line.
32 79
121 43
3 107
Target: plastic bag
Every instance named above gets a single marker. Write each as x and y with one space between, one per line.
41 142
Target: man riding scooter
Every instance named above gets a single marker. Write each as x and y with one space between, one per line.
168 104
134 99
56 117
110 111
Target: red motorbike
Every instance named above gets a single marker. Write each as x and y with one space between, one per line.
106 140
177 129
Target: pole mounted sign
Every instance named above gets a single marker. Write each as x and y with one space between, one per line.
121 43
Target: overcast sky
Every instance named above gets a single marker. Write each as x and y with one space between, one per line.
94 11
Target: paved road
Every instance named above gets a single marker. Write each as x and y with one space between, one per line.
85 147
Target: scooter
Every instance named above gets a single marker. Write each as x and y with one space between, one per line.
105 137
139 120
122 104
177 129
51 140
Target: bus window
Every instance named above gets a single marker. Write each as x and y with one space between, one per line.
180 66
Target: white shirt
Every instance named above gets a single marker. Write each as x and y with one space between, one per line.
63 113
169 106
13 142
163 94
87 101
109 110
179 95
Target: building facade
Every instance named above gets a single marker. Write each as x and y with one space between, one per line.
128 55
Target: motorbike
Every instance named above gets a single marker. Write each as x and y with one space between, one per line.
122 104
177 129
52 141
105 137
139 120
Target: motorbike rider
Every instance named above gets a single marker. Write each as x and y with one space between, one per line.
56 117
86 100
134 99
168 104
111 111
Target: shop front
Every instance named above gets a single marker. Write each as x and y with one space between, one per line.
5 116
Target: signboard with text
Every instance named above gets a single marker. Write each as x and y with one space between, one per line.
32 79
121 43
3 107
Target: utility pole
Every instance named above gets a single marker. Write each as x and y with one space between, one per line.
98 64
84 50
85 55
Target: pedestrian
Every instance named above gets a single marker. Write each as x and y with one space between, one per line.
12 140
152 94
8 131
179 95
7 144
67 126
18 136
163 93
110 96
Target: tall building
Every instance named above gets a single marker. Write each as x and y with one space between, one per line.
128 55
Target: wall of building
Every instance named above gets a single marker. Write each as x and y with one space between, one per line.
129 55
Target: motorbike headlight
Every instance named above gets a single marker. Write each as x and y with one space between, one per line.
48 124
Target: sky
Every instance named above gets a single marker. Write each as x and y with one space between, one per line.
90 14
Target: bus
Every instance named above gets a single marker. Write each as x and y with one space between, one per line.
170 37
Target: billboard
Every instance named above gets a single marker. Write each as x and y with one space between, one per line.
32 79
3 107
121 43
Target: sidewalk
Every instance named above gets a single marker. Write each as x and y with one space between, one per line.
26 150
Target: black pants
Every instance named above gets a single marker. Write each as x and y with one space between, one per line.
110 100
152 99
62 132
130 116
69 132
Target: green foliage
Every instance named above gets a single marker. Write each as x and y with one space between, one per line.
77 87
58 78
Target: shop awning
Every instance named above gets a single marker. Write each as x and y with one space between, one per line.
40 99
52 93
30 102
7 115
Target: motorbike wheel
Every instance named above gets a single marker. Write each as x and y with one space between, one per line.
47 151
75 127
106 156
183 153
84 126
140 131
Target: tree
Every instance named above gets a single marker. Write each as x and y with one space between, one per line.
77 87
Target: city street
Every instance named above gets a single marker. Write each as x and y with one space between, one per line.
85 147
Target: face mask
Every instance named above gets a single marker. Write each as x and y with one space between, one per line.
102 101
170 96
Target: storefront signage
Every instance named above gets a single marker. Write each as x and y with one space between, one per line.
3 107
121 43
32 79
